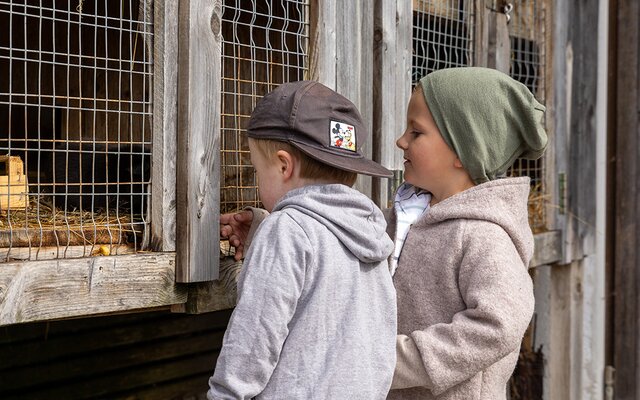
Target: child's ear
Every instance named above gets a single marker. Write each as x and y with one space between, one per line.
457 163
286 163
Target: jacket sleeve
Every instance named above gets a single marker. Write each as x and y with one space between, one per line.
259 215
498 293
269 287
409 370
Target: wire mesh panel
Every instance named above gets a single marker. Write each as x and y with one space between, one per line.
442 35
75 117
265 43
527 39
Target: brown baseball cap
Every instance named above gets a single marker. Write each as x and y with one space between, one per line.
319 122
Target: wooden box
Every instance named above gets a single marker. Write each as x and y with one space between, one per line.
13 184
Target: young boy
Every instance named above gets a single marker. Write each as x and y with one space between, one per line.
316 310
463 242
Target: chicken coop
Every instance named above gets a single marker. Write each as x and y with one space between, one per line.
122 123
121 140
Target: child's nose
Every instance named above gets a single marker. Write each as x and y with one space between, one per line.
401 142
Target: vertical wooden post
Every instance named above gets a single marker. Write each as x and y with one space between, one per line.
392 52
198 146
341 57
627 189
498 46
165 114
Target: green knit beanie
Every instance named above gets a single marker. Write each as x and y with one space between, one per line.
486 117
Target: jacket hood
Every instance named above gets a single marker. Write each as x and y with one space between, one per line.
502 202
350 215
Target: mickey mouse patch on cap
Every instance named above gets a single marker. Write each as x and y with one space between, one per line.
343 136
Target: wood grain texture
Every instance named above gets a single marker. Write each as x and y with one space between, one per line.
198 160
392 52
547 248
44 290
626 357
165 90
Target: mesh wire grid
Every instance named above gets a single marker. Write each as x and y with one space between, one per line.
265 43
76 112
527 39
443 35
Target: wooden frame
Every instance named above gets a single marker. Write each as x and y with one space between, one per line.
44 290
198 144
392 52
165 86
625 67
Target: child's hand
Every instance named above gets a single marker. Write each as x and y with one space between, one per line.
235 227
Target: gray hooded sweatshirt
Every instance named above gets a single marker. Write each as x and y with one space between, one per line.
316 311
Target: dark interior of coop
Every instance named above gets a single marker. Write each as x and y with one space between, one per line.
75 105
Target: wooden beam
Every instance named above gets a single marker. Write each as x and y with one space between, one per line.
392 52
218 295
44 290
499 46
198 160
627 189
165 114
547 248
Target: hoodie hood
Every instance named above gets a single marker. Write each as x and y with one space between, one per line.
348 214
502 202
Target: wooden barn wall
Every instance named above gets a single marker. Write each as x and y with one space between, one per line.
625 224
153 355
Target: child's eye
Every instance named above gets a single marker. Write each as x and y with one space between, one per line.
416 133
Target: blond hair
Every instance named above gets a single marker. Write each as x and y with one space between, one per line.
310 168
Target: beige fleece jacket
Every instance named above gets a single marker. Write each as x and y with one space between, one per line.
465 297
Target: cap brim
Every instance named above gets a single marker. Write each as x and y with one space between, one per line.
359 165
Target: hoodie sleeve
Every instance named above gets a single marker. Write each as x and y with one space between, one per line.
269 287
498 294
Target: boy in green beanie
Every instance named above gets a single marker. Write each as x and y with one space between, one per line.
463 242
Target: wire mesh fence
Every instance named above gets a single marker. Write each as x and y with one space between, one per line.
527 65
76 117
443 35
265 43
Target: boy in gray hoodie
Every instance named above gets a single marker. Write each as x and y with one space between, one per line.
316 310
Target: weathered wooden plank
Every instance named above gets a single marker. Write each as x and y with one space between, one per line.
165 115
481 34
52 252
103 385
198 160
193 388
42 290
322 48
111 361
499 46
547 248
355 70
66 344
341 58
391 87
22 333
626 355
214 296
